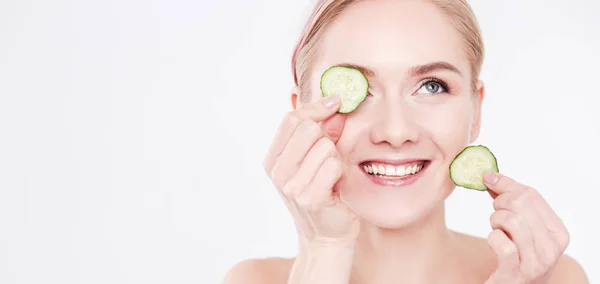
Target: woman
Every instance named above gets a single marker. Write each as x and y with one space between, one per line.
422 59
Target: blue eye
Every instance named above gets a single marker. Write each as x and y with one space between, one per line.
432 87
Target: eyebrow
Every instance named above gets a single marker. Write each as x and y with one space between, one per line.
365 70
418 70
435 66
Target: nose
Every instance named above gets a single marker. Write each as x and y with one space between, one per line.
395 124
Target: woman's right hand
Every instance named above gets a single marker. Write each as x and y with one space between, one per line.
304 164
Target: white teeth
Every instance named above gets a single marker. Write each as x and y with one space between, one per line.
400 171
390 170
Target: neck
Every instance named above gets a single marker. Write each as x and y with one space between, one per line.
409 255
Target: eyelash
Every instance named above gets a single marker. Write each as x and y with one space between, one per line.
443 84
428 80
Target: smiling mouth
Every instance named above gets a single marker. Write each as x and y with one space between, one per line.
394 171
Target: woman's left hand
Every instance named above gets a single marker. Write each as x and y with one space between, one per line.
528 237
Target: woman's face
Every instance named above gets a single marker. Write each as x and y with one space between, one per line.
420 113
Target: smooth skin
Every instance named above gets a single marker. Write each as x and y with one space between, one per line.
352 230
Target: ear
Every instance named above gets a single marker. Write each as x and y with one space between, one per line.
295 95
477 105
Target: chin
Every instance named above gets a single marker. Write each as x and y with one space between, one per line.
394 213
397 204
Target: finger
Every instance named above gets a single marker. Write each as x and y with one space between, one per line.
312 162
330 217
319 193
317 111
500 184
554 224
517 229
324 148
303 139
334 126
523 203
507 256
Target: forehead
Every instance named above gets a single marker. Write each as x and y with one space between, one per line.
390 36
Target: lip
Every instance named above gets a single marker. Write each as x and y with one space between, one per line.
394 162
396 181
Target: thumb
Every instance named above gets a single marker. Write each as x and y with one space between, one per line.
334 126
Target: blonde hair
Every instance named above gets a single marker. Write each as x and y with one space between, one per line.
326 11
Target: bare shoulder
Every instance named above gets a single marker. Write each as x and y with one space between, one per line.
475 252
568 270
260 271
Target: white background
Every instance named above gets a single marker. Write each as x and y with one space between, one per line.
132 132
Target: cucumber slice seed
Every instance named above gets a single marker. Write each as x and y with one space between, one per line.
469 166
349 83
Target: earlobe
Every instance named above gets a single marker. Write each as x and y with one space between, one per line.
295 95
477 104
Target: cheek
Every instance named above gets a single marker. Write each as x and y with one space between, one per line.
449 127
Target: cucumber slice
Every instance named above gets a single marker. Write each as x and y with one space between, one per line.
348 83
469 166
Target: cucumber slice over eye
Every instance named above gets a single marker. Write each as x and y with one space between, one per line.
469 166
349 83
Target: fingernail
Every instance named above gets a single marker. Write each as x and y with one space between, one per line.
330 102
490 178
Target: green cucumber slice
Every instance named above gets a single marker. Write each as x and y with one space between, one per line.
348 83
469 166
